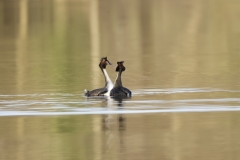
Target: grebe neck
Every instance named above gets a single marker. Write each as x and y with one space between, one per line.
118 82
104 75
108 81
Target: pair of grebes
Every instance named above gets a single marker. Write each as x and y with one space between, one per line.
110 89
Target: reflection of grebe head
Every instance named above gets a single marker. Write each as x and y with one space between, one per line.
104 62
120 66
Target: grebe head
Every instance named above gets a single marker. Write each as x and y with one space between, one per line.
120 66
104 62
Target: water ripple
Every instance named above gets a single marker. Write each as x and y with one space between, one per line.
179 90
143 101
122 111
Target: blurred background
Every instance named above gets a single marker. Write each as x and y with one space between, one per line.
180 52
56 45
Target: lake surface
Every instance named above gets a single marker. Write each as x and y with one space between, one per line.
182 62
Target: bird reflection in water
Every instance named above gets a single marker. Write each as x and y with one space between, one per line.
121 119
108 118
111 130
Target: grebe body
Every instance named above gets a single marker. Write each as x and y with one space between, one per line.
108 83
118 90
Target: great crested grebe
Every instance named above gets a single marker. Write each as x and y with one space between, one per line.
118 90
108 83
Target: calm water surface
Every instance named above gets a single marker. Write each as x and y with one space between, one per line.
182 65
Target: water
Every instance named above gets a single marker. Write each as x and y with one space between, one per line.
144 101
182 65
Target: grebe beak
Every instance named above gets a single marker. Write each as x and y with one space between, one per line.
108 62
